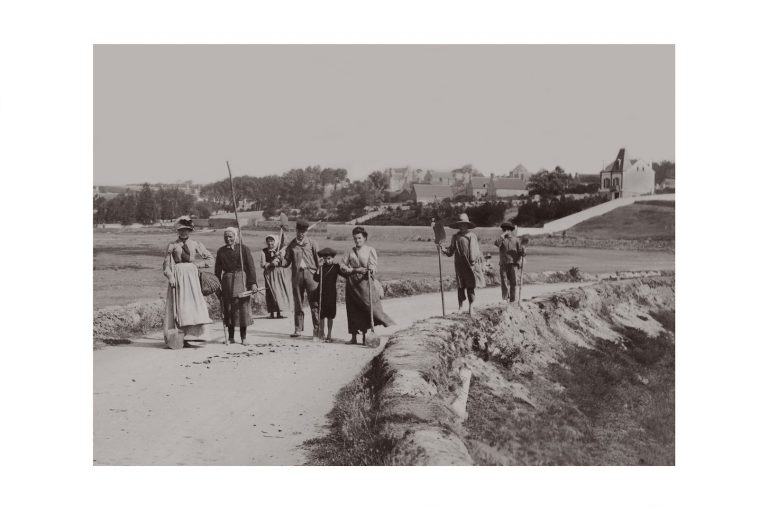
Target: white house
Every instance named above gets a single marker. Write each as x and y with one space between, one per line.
478 187
627 177
506 187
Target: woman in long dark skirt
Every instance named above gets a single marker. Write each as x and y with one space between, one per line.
235 310
359 265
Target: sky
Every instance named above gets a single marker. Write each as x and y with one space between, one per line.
167 113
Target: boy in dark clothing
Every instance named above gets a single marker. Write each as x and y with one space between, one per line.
329 271
511 251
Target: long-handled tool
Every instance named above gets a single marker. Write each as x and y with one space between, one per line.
437 226
319 327
223 318
371 340
239 232
520 283
175 336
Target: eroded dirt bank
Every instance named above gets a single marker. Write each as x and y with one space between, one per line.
584 376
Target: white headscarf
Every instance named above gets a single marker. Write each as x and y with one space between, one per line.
232 230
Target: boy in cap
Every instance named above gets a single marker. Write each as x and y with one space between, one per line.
327 276
511 251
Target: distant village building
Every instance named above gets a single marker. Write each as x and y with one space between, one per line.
440 178
402 178
627 177
107 192
496 188
430 193
667 184
520 173
477 188
506 187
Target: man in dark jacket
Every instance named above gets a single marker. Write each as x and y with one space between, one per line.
511 251
301 255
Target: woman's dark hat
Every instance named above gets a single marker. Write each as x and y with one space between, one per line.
302 225
507 225
326 252
184 223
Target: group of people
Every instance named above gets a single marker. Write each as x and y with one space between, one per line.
299 273
293 274
468 260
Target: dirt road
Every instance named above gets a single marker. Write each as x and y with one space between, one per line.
219 405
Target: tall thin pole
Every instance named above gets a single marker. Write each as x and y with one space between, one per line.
237 220
440 267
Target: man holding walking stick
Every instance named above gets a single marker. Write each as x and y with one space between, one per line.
511 254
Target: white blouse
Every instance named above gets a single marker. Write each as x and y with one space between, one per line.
365 257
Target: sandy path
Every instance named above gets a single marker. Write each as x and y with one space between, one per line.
219 405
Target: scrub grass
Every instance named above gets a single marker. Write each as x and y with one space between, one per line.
613 404
353 437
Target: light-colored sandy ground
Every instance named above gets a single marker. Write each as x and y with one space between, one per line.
219 405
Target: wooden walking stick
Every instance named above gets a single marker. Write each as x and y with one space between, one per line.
317 336
524 241
245 292
437 226
372 340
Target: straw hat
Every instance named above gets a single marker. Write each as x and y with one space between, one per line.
462 222
326 252
507 225
185 222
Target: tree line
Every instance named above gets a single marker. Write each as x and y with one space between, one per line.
148 206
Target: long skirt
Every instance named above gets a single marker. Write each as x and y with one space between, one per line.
359 308
185 306
278 290
236 311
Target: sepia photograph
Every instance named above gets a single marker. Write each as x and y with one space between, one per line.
384 255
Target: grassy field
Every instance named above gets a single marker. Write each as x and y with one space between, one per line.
127 265
639 221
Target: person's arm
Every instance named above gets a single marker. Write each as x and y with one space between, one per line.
286 260
499 241
315 256
373 260
250 270
450 250
475 255
204 254
217 267
262 260
344 267
168 265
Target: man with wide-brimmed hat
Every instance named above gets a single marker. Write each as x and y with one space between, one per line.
511 251
465 248
301 255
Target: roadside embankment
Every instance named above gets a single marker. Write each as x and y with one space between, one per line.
584 376
120 322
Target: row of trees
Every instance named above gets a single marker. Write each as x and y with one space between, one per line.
486 214
292 189
533 213
148 206
548 184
